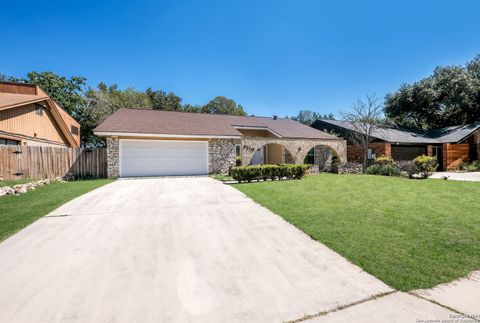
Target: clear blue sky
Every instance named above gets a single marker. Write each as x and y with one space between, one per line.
273 57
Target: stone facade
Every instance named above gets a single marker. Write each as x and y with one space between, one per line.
221 155
323 158
298 148
222 152
113 157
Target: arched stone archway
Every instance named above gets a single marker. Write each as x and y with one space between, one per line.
271 153
298 148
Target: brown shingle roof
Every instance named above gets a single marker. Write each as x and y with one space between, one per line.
183 123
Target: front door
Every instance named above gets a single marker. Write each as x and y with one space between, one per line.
258 157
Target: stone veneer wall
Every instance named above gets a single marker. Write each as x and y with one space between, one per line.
323 158
113 157
221 155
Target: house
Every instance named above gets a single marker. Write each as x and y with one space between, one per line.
157 143
28 116
451 145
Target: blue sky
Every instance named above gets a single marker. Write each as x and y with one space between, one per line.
273 57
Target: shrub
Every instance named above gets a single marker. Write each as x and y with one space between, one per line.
384 160
384 170
238 161
470 167
407 166
425 165
264 172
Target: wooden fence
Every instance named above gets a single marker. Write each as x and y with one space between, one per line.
18 162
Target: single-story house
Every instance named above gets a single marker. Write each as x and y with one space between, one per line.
158 143
451 145
28 116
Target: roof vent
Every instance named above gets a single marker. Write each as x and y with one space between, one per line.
275 117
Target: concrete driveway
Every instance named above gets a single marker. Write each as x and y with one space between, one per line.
456 176
173 250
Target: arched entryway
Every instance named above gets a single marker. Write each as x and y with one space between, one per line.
322 156
271 154
297 148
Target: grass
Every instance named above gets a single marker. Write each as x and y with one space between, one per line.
220 177
16 212
409 233
14 182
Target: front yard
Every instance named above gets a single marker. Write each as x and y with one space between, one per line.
16 212
409 233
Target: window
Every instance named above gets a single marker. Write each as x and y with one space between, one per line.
74 130
9 142
310 157
370 153
238 151
39 111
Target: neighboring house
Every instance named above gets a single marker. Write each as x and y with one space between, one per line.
451 145
28 116
155 143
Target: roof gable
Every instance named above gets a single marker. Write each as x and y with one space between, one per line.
14 95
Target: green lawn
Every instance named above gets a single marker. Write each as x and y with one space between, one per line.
14 182
16 212
409 233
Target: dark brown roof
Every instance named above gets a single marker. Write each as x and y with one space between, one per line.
182 123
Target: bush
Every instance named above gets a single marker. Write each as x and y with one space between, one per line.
470 167
384 161
425 165
264 172
407 166
238 161
384 170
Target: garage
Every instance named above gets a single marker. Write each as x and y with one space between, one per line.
408 152
162 158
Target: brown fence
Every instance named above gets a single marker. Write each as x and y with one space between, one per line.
18 162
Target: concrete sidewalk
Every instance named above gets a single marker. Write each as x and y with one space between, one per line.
462 295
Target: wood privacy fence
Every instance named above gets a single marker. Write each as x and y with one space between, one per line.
18 162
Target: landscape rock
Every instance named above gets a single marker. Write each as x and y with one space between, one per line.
348 168
20 189
8 190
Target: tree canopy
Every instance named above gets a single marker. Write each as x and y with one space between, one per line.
90 106
223 105
308 116
450 96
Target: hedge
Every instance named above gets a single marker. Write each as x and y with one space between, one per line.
264 172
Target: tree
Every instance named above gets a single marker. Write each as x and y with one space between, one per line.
68 92
308 117
450 96
103 101
161 100
366 119
223 105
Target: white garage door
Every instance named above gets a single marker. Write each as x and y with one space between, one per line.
163 157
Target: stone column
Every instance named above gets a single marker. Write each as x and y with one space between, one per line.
113 157
221 155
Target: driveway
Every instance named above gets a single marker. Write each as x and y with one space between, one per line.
469 176
177 250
